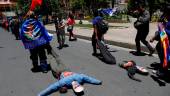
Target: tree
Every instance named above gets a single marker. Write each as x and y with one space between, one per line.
152 5
47 7
23 5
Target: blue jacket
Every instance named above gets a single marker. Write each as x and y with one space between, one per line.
66 81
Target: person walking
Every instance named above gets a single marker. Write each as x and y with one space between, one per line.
97 35
16 28
163 38
70 24
142 26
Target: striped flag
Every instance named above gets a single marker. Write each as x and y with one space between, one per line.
165 45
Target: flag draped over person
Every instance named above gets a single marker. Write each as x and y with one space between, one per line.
34 34
165 45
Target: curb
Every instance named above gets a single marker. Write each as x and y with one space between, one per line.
115 43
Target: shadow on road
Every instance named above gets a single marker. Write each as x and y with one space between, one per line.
100 57
136 54
161 80
1 47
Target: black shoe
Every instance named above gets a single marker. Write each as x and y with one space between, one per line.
107 47
65 45
138 53
75 39
97 54
70 39
35 69
160 74
94 54
59 47
151 52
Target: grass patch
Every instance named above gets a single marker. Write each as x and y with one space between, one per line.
84 25
91 26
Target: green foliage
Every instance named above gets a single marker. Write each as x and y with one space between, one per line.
152 5
54 5
88 4
23 5
47 6
77 4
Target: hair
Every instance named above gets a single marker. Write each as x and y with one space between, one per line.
134 63
95 13
63 90
71 16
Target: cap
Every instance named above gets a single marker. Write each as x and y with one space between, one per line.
77 87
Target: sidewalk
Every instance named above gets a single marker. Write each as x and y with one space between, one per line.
121 34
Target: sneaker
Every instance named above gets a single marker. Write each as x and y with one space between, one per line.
77 87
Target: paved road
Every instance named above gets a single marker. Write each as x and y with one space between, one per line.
16 79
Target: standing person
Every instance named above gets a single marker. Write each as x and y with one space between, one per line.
56 23
12 25
96 34
163 38
69 79
16 28
70 24
60 31
35 38
142 26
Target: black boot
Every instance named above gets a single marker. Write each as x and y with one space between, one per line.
151 49
35 66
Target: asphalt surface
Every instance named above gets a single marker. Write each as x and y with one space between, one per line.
16 79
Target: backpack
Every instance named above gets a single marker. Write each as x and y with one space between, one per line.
102 26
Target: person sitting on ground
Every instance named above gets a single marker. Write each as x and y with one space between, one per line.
69 79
